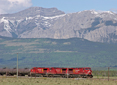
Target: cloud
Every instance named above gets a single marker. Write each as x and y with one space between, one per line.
11 6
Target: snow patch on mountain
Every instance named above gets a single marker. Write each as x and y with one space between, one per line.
46 20
98 12
109 12
6 24
54 16
28 18
94 12
19 21
4 20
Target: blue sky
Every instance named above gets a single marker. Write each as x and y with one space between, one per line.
69 6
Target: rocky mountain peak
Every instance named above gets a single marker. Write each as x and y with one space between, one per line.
33 11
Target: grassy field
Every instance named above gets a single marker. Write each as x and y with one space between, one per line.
54 81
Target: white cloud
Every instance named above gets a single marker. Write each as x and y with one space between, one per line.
11 6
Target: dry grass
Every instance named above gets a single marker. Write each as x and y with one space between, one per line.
53 81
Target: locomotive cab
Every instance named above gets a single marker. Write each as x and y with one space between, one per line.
88 72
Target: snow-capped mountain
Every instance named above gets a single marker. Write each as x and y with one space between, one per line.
13 25
38 22
89 24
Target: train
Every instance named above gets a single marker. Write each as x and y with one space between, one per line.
81 72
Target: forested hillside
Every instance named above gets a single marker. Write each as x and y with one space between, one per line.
74 52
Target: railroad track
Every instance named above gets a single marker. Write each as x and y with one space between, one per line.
26 76
103 79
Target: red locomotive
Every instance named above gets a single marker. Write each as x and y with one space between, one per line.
84 72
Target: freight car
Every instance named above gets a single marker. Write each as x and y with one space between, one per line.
13 71
84 72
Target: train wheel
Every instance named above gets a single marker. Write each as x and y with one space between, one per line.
30 75
70 76
63 76
33 75
81 76
75 76
88 76
19 74
91 76
50 75
41 75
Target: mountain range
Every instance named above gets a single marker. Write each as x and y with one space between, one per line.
38 22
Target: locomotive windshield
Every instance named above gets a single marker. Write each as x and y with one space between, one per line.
87 69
